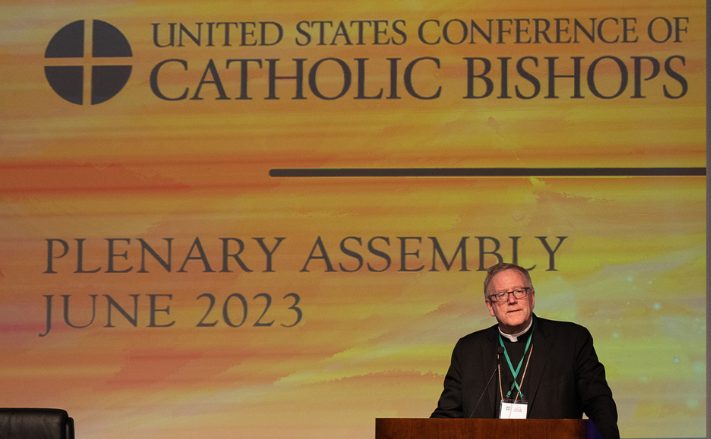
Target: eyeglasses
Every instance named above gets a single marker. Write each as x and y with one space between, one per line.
503 296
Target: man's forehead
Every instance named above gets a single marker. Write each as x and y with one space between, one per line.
507 279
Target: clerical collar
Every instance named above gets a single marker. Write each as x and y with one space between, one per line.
514 337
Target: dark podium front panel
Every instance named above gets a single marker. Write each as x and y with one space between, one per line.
405 428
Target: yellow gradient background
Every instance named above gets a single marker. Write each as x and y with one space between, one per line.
371 344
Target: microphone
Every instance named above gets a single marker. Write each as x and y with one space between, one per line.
499 351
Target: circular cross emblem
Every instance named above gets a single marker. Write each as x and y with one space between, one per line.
87 62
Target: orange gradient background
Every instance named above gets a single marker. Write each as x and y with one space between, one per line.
370 344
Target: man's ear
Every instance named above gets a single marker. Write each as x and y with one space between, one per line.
491 308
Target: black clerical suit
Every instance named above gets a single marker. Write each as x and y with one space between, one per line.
564 377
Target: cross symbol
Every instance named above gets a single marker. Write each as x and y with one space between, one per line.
87 61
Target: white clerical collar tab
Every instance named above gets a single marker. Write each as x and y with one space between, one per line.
514 337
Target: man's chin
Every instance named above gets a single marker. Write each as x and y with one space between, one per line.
514 324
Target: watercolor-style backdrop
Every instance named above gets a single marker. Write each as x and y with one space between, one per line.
374 338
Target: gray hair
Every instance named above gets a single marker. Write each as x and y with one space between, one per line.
503 266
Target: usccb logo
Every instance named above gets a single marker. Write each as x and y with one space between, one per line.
88 63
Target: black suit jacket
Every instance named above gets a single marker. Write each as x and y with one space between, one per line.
564 379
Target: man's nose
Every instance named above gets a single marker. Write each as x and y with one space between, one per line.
510 298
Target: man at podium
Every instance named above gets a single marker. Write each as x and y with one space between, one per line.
526 366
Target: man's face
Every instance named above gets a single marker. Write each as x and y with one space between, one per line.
512 314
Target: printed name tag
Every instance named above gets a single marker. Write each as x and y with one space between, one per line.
510 410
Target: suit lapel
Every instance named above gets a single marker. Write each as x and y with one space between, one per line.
490 358
538 363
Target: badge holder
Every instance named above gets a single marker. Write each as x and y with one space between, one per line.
513 409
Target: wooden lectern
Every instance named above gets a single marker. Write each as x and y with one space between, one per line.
404 428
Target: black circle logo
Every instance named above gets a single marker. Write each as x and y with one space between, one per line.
77 51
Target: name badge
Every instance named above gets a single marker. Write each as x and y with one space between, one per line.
511 410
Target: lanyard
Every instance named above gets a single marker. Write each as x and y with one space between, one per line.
515 372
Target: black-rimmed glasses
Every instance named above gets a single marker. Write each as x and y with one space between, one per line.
503 296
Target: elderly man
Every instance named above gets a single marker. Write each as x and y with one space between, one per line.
526 366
